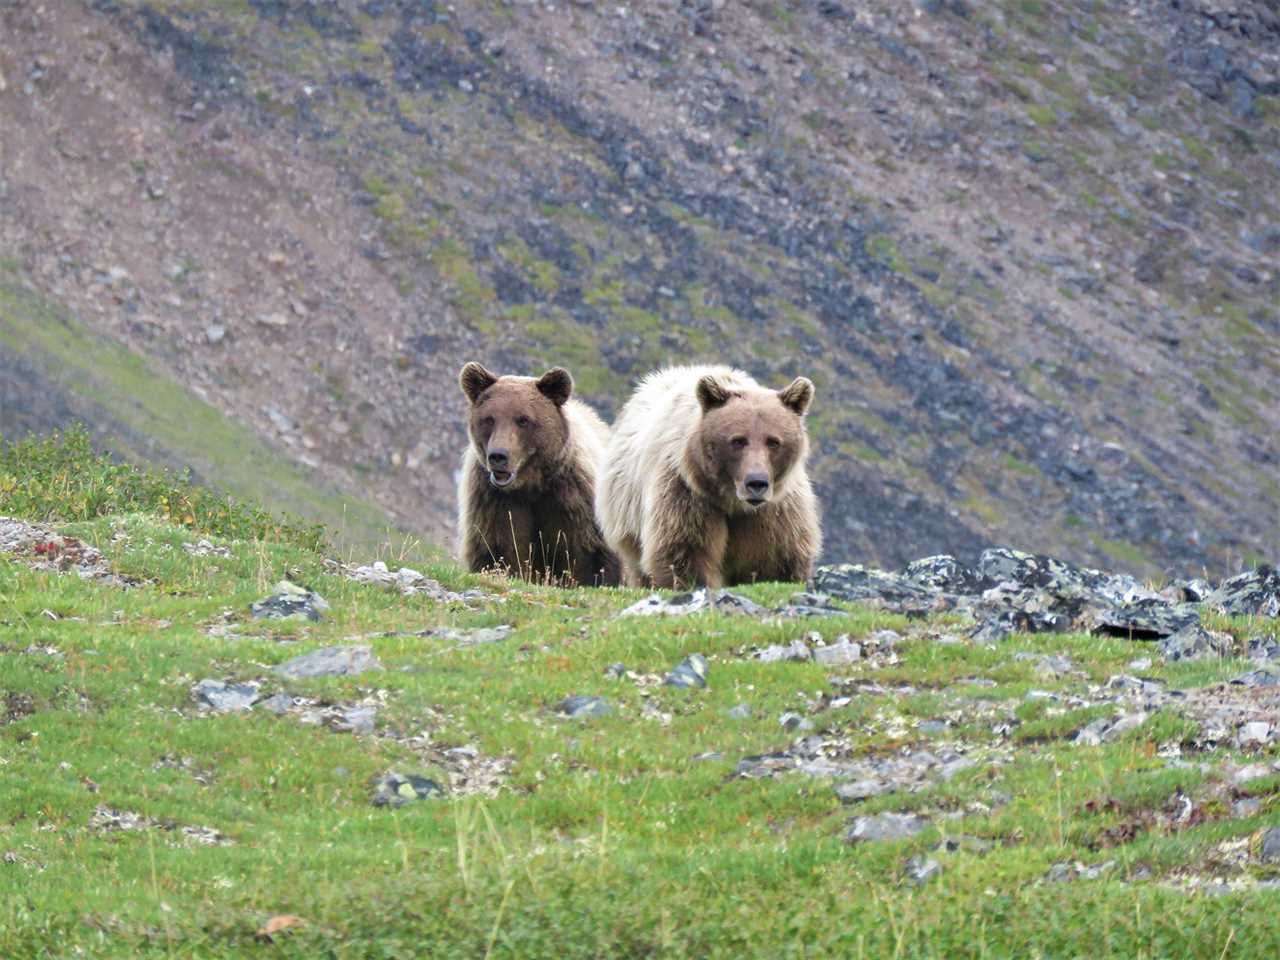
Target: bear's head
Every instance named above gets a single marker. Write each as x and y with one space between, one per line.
748 442
517 424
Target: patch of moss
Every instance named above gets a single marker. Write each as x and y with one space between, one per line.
1129 555
473 295
1041 115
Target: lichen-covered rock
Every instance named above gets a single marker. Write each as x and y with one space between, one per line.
290 602
1255 593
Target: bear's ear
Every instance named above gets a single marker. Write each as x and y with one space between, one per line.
711 393
797 396
556 385
475 380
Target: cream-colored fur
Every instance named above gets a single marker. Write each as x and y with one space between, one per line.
647 495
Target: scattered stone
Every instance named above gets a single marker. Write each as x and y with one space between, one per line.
885 826
43 548
933 727
796 651
689 672
1255 732
683 604
843 651
1254 771
1269 847
224 697
577 707
1142 663
967 844
949 769
479 635
1262 648
206 548
862 790
396 790
279 704
1246 807
329 662
794 721
1255 593
921 870
106 819
290 602
1262 677
357 720
615 671
740 712
215 333
407 581
852 581
1194 643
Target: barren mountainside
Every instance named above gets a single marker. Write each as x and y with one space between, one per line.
1026 250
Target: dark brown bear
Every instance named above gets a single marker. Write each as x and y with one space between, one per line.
526 500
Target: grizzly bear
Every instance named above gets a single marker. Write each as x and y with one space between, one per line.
704 481
526 501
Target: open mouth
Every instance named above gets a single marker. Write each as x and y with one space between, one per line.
756 501
501 478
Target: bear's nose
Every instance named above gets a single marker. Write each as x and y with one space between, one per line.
498 459
757 484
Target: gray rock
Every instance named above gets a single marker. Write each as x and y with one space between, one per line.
1142 663
843 651
224 697
279 703
214 333
476 636
1269 851
1123 724
933 727
946 574
921 870
794 721
1262 677
990 632
1254 593
1091 735
683 604
795 651
1254 732
1060 873
1263 648
1094 872
740 712
290 602
358 720
1194 643
395 790
952 767
851 581
689 672
1246 807
966 844
862 790
885 826
615 671
329 662
1254 771
577 707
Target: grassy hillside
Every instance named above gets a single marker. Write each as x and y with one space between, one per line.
141 414
134 823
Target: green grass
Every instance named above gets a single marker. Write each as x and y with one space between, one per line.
136 401
607 837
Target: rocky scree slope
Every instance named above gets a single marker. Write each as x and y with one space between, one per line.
1026 249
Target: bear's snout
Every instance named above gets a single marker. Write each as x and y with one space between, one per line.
498 459
757 487
501 473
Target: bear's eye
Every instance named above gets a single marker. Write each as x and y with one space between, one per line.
773 443
522 422
739 443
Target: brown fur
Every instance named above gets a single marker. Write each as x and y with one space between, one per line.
544 449
704 481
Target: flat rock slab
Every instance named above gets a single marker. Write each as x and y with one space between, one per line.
683 604
1255 593
843 651
885 826
290 602
689 672
225 697
580 707
329 662
396 790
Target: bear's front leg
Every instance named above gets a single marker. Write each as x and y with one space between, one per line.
502 536
684 540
